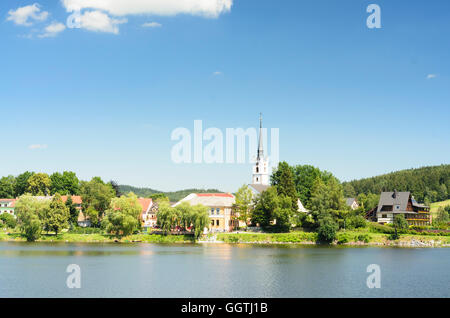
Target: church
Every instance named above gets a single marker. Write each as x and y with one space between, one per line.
261 174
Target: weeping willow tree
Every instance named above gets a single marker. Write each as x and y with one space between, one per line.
184 216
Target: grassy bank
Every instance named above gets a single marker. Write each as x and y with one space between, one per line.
355 237
99 238
363 237
435 207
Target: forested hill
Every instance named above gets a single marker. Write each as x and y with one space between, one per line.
173 196
427 184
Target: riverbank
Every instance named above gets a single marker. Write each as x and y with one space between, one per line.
344 238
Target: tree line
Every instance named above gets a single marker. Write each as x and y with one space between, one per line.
426 184
276 209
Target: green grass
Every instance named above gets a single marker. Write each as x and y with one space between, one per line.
436 205
294 237
100 238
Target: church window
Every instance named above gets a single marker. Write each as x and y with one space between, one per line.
257 170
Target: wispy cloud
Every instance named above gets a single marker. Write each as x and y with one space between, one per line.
37 146
207 8
152 25
27 15
217 73
52 30
431 76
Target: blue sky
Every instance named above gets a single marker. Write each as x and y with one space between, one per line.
102 100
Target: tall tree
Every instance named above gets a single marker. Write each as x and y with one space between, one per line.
244 203
283 179
73 212
21 185
58 215
28 210
65 183
122 218
97 195
7 185
39 184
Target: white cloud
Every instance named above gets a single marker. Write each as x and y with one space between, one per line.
217 73
25 15
37 146
152 25
100 22
53 30
430 76
206 8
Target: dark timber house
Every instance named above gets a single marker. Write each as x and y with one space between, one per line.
393 203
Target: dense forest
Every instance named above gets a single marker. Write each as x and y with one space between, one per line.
427 184
173 196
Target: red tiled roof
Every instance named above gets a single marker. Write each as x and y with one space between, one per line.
223 195
146 203
75 199
13 202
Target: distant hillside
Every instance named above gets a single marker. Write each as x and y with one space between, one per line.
173 196
429 184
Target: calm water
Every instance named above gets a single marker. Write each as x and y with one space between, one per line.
220 270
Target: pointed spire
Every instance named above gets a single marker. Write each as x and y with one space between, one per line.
260 146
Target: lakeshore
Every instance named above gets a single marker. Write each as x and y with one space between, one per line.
344 238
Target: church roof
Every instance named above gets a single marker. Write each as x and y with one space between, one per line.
260 188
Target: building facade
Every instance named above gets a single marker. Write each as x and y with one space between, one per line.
220 209
394 203
7 206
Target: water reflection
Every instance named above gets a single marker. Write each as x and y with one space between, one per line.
219 270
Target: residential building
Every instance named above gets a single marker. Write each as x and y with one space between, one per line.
148 215
352 203
220 209
394 203
7 206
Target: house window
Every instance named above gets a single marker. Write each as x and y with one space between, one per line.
217 211
212 211
212 222
384 216
217 222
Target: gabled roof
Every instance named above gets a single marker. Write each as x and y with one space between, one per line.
76 199
146 204
259 188
349 201
209 199
394 198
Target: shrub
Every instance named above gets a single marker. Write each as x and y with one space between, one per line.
327 230
364 238
343 238
356 222
378 228
8 220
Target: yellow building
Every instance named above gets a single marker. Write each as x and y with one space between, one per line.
220 209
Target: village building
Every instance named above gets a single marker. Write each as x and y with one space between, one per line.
394 203
220 209
352 203
7 206
148 215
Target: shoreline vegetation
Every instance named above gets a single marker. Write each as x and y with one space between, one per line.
344 238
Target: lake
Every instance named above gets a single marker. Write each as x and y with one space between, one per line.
220 270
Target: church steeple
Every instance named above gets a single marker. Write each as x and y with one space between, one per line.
260 153
261 168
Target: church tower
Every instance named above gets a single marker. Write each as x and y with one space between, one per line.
261 168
